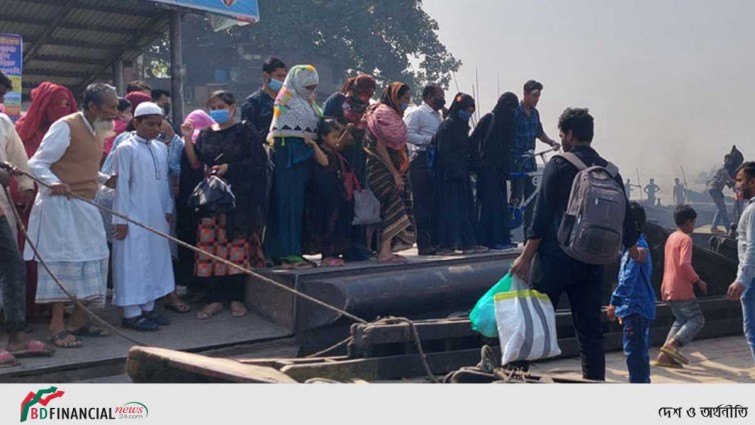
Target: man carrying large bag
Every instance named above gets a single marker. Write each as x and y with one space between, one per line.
574 225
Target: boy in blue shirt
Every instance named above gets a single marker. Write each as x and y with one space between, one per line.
633 303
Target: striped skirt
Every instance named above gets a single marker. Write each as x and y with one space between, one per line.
86 280
396 208
211 237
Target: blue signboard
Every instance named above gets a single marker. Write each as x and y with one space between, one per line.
11 53
242 10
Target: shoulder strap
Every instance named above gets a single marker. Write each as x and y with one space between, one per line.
612 169
573 160
347 170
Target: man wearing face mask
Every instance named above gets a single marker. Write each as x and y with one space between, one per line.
69 232
422 123
258 107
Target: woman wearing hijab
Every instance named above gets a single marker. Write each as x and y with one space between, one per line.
387 166
186 220
49 103
492 143
295 119
348 106
232 151
455 218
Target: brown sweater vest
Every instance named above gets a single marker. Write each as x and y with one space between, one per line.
79 167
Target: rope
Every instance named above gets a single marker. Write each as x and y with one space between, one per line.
415 334
417 341
329 349
195 249
57 281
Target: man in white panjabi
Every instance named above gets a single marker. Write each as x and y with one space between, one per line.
68 232
142 267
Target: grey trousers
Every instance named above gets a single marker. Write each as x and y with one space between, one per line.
12 279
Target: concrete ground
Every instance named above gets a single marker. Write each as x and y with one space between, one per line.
718 360
109 353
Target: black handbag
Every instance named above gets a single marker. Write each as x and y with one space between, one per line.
212 197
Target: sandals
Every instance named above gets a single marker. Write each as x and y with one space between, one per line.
238 309
209 310
393 259
178 307
332 262
296 263
140 323
675 354
90 330
670 365
7 359
59 338
33 348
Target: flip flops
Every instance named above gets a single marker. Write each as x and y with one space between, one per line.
33 348
209 310
332 262
238 309
675 354
178 307
7 359
57 339
670 365
90 330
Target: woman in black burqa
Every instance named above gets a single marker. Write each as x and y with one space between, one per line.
492 144
455 218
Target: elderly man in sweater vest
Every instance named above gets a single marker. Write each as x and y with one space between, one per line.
67 231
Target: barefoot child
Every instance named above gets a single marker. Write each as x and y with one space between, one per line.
677 290
633 303
329 208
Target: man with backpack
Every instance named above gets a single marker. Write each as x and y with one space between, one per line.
581 221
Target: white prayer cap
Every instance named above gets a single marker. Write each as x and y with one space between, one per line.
147 108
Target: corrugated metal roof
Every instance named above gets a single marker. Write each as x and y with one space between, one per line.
75 42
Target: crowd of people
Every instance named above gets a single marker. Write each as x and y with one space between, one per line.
295 170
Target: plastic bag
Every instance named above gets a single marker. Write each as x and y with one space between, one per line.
366 208
212 197
482 315
526 324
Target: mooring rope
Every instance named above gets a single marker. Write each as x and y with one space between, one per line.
15 171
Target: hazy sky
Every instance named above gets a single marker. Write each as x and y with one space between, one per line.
669 82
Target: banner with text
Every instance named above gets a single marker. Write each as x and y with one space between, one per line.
11 63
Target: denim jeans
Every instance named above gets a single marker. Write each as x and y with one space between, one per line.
636 331
12 279
689 320
721 217
748 316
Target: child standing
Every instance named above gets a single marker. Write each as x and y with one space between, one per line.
677 290
329 207
633 303
142 268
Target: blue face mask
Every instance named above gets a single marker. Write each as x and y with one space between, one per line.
220 116
404 106
464 115
275 85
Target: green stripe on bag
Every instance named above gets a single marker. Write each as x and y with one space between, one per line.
527 293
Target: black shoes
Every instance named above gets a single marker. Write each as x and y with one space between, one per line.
140 323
